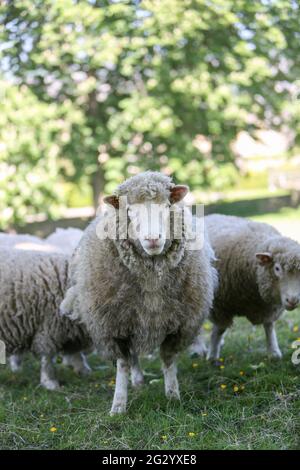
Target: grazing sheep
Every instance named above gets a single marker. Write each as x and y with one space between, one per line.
144 289
32 286
259 276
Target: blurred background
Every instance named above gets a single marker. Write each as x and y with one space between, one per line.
94 91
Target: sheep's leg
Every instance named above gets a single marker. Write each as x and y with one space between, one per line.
120 396
198 348
78 362
169 367
137 378
216 342
48 379
272 343
15 362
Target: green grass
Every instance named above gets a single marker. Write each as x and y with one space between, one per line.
264 415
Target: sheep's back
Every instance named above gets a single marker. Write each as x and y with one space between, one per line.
235 242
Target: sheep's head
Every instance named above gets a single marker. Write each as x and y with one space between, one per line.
283 270
149 198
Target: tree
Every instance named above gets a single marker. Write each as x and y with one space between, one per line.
33 141
162 84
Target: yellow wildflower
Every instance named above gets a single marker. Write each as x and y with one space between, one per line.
223 386
53 429
191 434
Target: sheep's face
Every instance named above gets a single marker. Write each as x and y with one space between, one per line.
149 219
149 225
286 281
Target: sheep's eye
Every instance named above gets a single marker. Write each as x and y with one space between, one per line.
277 269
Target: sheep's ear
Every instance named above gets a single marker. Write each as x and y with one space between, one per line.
264 258
178 192
112 200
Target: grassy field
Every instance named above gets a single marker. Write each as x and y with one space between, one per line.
247 402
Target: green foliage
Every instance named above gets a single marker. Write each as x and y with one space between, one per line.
160 84
33 136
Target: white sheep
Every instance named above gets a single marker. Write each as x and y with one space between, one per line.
259 276
32 285
146 287
61 241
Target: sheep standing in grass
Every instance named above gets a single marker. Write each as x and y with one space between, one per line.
61 241
259 276
144 289
32 286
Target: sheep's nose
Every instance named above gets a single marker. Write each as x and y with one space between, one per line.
292 301
153 242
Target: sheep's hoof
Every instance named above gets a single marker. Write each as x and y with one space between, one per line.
197 350
15 363
137 380
118 409
85 370
50 385
81 369
172 394
276 354
213 359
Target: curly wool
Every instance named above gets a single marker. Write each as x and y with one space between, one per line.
122 295
149 185
32 286
245 287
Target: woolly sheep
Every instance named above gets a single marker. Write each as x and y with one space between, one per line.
32 285
61 241
259 276
65 240
26 242
144 290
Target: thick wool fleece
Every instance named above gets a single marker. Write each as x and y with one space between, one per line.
245 288
32 285
131 302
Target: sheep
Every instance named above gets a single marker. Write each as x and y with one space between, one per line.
144 288
26 242
259 277
32 286
61 241
65 240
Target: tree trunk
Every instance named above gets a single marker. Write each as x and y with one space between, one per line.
97 182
